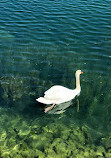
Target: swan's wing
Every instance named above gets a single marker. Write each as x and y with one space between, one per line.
59 93
56 95
55 89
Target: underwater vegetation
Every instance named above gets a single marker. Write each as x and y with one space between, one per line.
22 138
97 105
30 137
43 44
34 137
71 134
14 88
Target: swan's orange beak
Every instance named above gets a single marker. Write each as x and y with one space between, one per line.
81 72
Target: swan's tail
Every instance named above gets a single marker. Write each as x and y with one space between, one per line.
44 101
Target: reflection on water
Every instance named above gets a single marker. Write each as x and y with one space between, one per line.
41 45
58 109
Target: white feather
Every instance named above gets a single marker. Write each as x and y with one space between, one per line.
59 94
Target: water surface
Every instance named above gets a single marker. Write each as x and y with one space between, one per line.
43 44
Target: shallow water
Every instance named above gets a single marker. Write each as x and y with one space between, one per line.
43 44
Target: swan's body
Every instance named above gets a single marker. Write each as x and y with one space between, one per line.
59 94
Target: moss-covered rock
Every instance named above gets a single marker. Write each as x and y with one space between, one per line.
22 138
106 142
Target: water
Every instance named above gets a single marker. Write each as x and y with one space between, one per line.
43 44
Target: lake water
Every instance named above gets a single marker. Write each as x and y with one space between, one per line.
43 43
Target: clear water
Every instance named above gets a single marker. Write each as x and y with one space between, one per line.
43 43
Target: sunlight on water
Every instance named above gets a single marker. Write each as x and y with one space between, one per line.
43 44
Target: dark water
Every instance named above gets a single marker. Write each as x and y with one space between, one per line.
43 43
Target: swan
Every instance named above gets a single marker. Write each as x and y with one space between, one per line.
58 94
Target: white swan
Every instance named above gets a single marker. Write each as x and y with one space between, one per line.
59 94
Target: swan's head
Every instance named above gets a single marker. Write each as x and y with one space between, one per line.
78 72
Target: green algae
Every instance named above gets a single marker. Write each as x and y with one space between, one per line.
21 138
106 142
12 87
16 88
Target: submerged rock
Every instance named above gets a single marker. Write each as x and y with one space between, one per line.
22 138
106 142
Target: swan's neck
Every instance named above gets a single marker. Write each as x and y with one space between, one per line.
78 82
